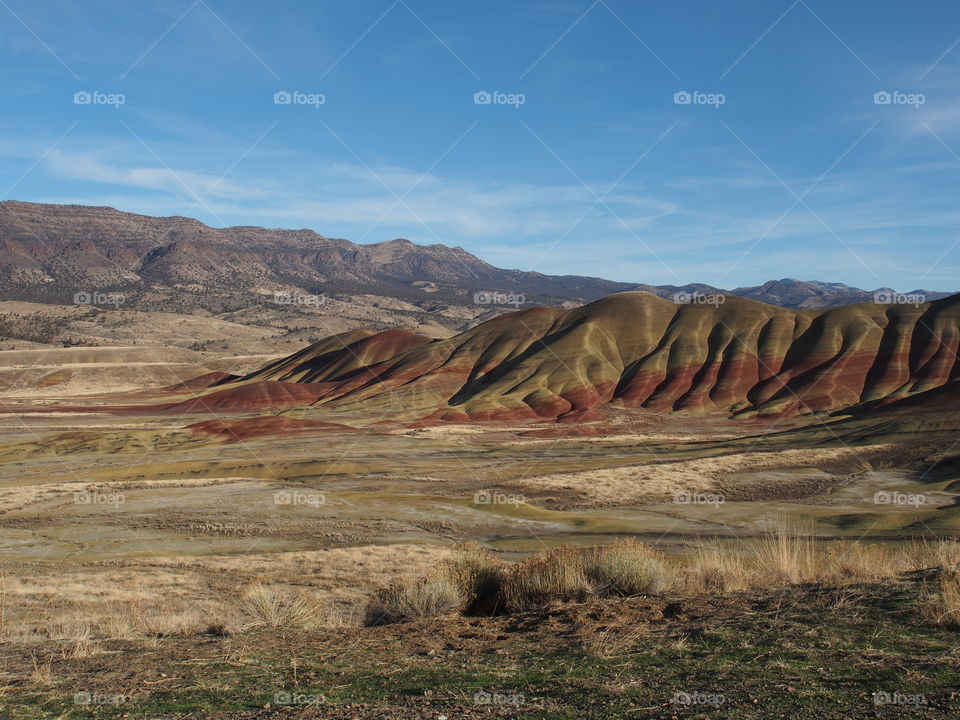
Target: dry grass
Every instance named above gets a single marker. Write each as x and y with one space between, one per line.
943 607
3 604
554 576
157 597
271 608
74 637
479 575
76 609
944 554
42 673
625 568
786 555
847 560
426 597
611 641
137 619
631 484
716 571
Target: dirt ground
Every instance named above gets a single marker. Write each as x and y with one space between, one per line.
126 539
815 651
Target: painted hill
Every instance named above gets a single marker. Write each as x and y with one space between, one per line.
633 349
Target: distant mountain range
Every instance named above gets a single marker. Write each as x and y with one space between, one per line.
49 253
798 294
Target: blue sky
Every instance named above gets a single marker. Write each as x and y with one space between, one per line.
784 165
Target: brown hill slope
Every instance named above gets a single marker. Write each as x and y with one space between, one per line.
633 350
50 252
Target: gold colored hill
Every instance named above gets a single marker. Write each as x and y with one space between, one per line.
633 349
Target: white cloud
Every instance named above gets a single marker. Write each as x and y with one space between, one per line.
88 167
697 225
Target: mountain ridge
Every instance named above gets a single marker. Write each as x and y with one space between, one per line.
50 252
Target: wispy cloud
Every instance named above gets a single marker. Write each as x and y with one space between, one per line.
512 223
90 168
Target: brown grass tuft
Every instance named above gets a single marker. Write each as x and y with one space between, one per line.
270 608
785 555
626 568
714 570
847 560
554 576
479 575
943 608
611 641
400 602
42 674
921 554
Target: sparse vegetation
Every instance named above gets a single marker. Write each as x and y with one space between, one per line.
943 607
483 584
36 328
610 641
626 568
785 554
554 576
423 598
816 650
931 553
857 561
712 569
479 576
268 607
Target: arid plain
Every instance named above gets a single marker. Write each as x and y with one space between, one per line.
148 492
